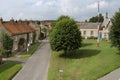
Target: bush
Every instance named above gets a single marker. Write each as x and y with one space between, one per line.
7 44
92 37
65 35
115 30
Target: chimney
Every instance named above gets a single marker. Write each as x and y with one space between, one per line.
20 21
26 22
106 15
30 21
1 21
12 20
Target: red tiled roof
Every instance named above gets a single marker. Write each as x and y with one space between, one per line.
11 28
32 26
17 28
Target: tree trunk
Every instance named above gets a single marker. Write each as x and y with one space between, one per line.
0 59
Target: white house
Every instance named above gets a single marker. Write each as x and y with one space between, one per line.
88 30
105 27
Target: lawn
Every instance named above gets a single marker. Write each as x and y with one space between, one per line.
31 51
88 63
8 70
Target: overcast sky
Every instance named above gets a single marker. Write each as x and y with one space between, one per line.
52 9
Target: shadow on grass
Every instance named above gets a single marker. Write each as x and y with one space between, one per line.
118 52
82 53
86 44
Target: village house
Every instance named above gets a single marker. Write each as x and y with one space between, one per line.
88 30
35 26
47 23
45 26
22 33
105 27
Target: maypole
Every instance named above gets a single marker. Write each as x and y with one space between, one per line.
98 40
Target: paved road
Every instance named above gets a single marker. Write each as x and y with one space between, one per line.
36 67
115 75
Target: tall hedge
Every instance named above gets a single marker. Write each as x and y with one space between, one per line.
65 35
115 30
6 42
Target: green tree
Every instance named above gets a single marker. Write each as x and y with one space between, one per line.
63 17
115 30
65 35
44 30
60 18
7 43
95 19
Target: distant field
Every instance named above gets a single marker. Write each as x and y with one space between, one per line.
88 63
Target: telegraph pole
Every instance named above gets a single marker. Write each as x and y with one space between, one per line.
98 40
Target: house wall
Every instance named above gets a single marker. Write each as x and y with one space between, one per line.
16 40
30 38
106 32
37 35
36 29
88 32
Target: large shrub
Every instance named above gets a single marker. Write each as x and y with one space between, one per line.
115 30
7 44
7 41
65 35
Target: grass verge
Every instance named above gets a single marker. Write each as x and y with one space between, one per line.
8 70
88 63
31 51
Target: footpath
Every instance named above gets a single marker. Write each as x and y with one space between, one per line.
114 75
36 67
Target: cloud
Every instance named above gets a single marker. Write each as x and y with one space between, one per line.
103 3
20 15
38 3
95 5
51 9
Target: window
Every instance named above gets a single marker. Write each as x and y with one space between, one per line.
84 33
92 33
